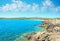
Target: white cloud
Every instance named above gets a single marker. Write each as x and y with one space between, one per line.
26 8
0 8
13 6
35 7
5 8
21 6
58 9
48 5
16 1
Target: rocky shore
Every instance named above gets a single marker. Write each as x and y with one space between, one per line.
51 33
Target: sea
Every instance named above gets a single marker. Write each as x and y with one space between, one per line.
11 29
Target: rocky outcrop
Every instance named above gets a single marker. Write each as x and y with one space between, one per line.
45 36
50 25
52 32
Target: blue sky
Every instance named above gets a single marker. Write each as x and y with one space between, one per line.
30 8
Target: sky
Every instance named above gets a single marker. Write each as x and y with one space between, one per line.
30 8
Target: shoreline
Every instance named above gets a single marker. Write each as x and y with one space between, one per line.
32 18
52 31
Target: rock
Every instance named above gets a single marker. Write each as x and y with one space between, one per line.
29 37
56 29
25 35
52 32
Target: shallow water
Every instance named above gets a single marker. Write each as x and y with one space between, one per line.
10 29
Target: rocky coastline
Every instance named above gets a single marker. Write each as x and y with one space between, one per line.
51 33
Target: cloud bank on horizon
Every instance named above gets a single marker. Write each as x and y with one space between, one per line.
20 6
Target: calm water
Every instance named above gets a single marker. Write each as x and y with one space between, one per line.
10 29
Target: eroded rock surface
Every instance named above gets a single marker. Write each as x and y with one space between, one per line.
52 32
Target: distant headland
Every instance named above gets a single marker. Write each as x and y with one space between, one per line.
28 18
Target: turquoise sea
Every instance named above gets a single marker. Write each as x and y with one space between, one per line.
11 29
